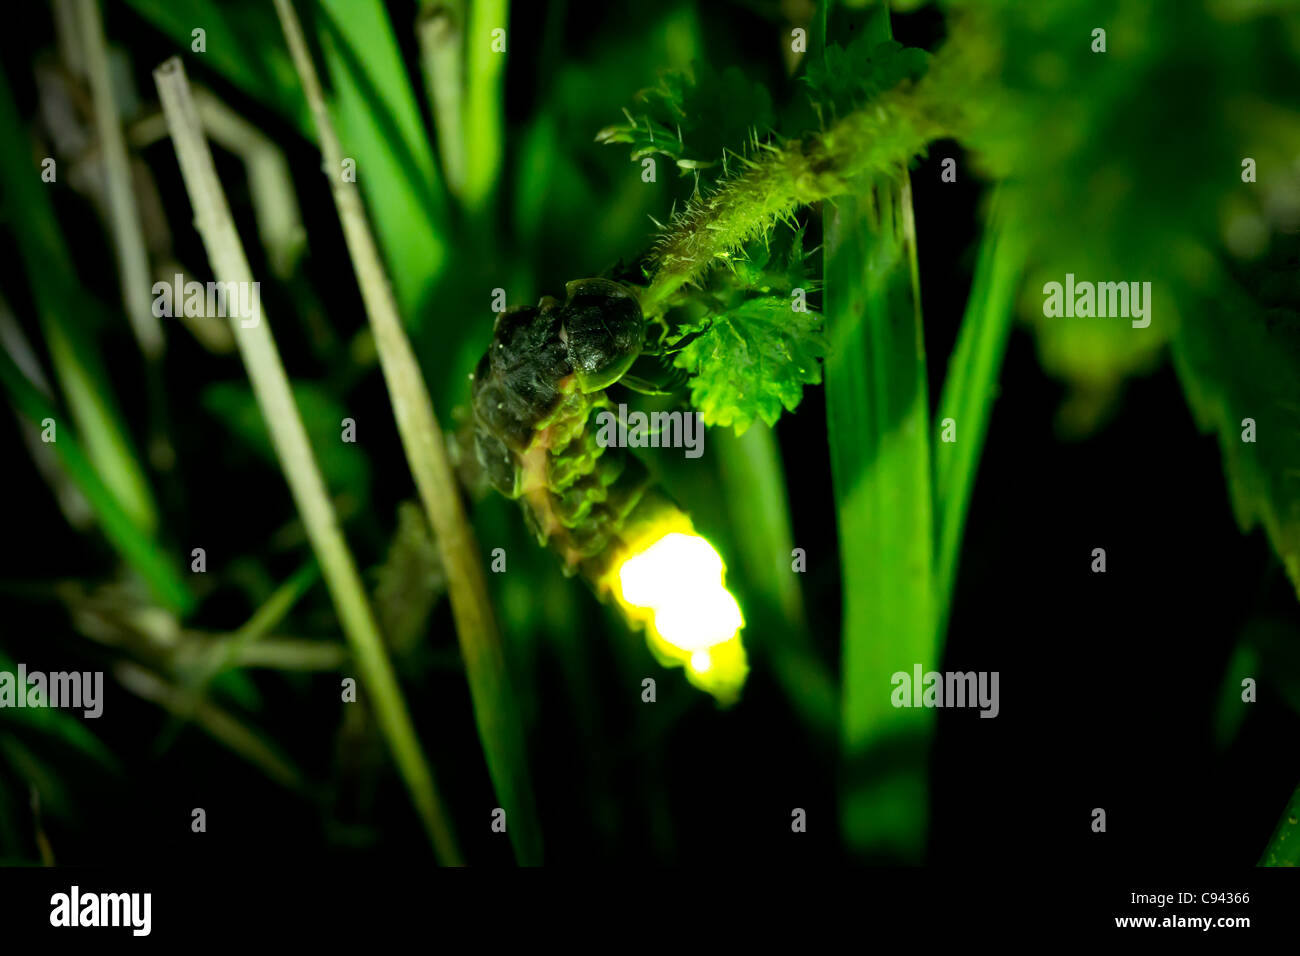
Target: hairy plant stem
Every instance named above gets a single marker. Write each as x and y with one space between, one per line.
772 185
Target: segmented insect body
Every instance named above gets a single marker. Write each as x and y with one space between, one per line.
542 379
534 394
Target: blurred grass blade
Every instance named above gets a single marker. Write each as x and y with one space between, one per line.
63 308
241 47
379 125
877 418
499 723
755 494
138 550
128 235
1284 847
271 385
878 421
440 27
485 71
270 181
66 726
215 721
969 390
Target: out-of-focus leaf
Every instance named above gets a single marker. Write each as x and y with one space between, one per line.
1118 162
58 724
67 316
1230 710
379 126
345 467
157 569
242 42
1238 364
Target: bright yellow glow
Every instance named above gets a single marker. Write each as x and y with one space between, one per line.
679 579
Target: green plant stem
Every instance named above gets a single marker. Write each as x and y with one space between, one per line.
238 646
500 727
773 184
969 391
215 721
275 398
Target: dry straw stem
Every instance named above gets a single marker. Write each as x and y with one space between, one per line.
274 397
440 27
132 255
422 438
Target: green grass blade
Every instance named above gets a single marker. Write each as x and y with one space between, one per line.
158 569
379 125
969 390
271 385
484 129
500 727
1284 847
878 423
62 308
755 494
240 45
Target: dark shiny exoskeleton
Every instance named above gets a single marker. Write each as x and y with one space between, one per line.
594 335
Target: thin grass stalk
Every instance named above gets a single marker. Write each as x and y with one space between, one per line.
499 724
280 413
124 215
969 392
440 28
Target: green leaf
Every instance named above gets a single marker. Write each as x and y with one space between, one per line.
1248 367
344 466
749 362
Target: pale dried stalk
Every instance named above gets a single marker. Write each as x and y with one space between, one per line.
289 437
